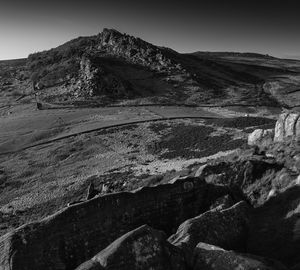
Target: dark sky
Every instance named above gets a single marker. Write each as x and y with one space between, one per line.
264 26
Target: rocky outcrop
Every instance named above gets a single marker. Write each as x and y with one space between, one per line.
226 228
77 233
288 125
142 248
95 80
261 137
253 175
134 50
274 229
209 257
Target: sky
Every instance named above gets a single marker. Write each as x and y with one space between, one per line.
262 26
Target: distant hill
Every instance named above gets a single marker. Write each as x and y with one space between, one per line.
112 67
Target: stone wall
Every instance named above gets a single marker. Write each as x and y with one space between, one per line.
75 234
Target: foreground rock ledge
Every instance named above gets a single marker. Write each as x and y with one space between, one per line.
142 248
74 235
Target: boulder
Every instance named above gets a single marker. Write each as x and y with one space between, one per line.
209 257
142 248
274 228
226 228
249 177
290 124
279 127
261 137
287 125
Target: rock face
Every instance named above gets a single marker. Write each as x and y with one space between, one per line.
78 232
226 228
209 257
274 229
261 137
142 248
134 50
95 80
254 176
287 125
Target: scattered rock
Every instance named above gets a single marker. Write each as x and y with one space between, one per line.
209 257
142 248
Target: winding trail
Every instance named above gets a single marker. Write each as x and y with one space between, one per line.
37 128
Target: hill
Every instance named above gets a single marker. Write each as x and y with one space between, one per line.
116 68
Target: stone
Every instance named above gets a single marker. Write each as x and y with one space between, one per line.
222 203
287 126
274 228
78 232
261 137
209 257
279 128
142 248
226 228
290 123
90 265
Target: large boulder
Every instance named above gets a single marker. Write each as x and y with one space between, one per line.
226 228
287 125
250 175
209 257
274 229
261 137
142 248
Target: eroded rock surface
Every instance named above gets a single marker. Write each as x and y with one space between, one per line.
142 248
226 228
78 232
261 137
287 125
209 257
275 227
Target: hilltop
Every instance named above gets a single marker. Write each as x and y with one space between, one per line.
112 67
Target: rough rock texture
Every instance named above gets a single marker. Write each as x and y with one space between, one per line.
78 232
226 228
209 257
275 227
261 137
222 203
142 248
254 175
134 50
287 125
95 80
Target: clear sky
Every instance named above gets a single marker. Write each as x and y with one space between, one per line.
264 26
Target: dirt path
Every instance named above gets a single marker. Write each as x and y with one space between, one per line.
26 128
